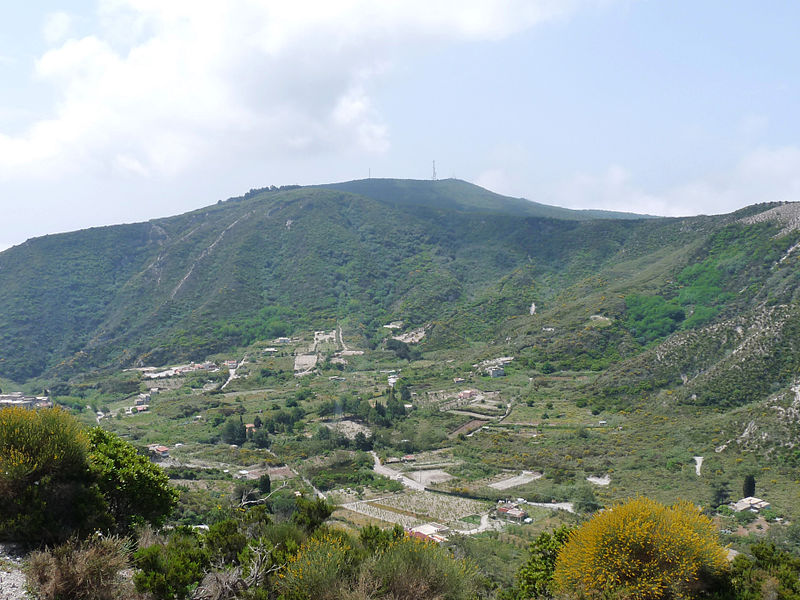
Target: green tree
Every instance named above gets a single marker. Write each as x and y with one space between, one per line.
134 488
535 577
260 438
749 486
225 541
771 573
234 432
310 514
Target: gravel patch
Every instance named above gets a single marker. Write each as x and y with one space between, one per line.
521 479
12 579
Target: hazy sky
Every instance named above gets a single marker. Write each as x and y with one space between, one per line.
124 110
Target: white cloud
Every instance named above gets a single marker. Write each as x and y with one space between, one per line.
162 86
762 175
56 27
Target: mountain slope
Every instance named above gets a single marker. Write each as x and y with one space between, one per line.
275 261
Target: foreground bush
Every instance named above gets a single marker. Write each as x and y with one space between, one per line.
171 570
641 549
45 484
135 489
88 570
57 481
318 568
535 577
409 569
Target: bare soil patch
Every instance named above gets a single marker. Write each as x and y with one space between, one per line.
521 479
430 476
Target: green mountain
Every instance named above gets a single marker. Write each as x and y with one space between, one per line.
457 195
707 306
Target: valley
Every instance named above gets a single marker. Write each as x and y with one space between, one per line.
429 356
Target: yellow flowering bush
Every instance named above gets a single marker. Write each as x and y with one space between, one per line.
35 443
315 571
45 491
641 549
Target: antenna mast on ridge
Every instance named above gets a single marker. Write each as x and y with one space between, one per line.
434 171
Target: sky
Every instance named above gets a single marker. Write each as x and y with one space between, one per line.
117 111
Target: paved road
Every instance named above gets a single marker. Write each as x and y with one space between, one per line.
392 474
484 526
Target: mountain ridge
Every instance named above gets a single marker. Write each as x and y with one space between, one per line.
275 260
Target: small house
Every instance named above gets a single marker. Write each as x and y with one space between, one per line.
496 371
512 511
750 503
158 451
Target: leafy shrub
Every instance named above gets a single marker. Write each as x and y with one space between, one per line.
224 541
134 488
652 317
641 549
535 577
310 514
89 570
170 571
771 573
410 568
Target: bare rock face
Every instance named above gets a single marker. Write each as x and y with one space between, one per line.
787 215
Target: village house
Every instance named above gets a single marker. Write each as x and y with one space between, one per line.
512 512
750 503
429 532
158 451
496 371
30 402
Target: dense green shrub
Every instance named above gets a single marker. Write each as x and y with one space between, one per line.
535 577
318 569
170 570
409 569
134 488
771 573
652 317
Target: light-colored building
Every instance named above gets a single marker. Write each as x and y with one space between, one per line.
22 401
750 503
496 372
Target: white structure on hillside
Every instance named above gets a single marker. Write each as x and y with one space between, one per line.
750 503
